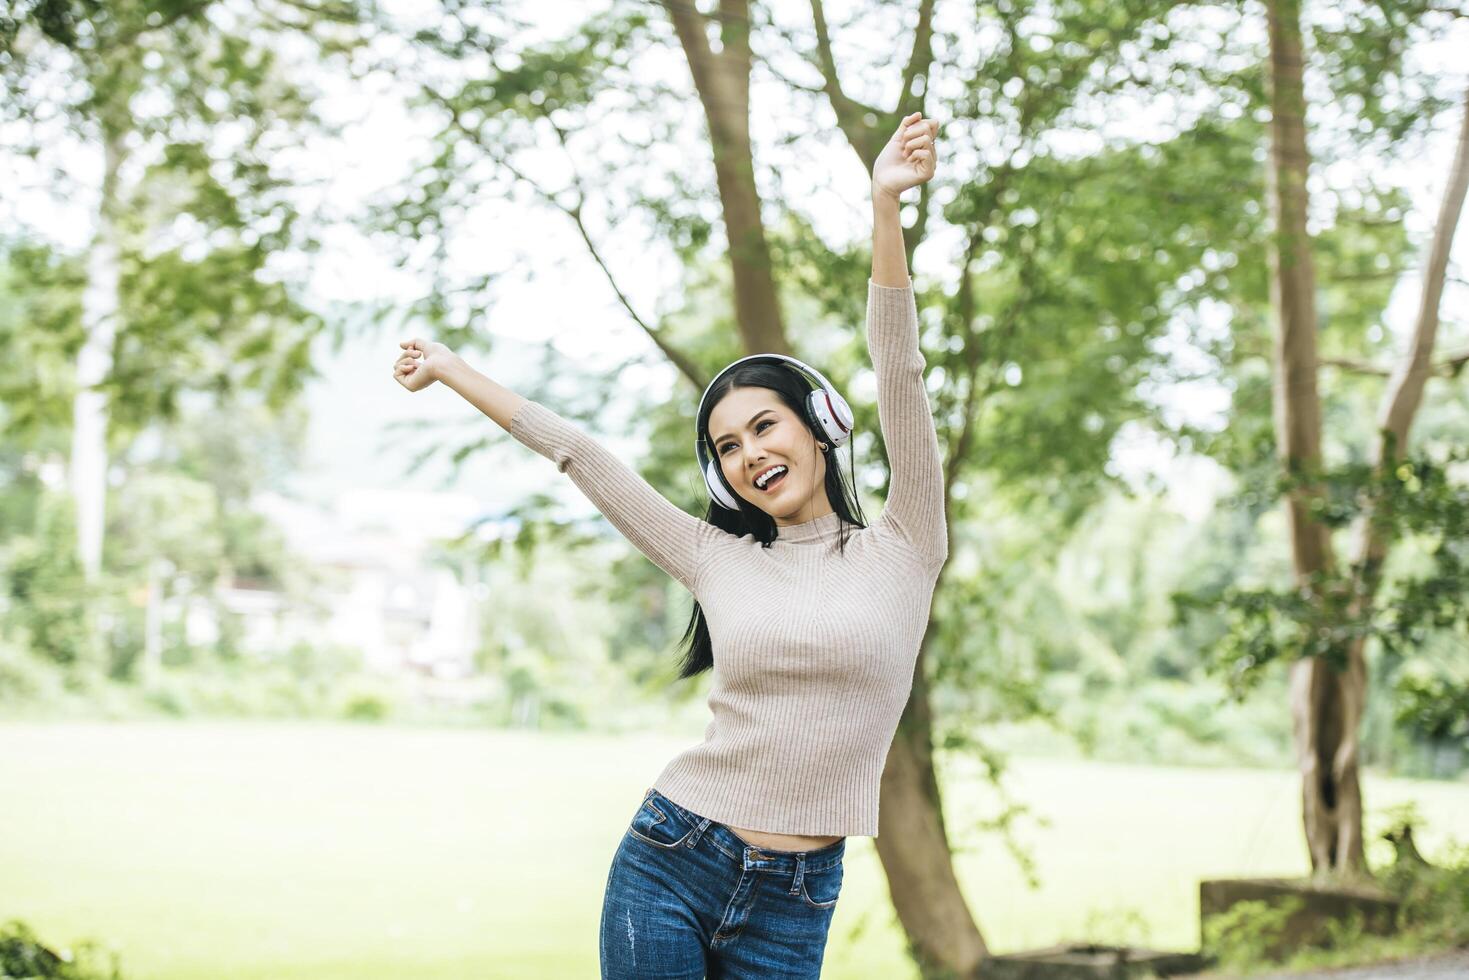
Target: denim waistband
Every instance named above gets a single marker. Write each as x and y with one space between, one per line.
751 856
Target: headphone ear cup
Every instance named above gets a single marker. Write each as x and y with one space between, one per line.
717 492
832 415
844 412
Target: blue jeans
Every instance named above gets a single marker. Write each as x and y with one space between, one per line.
688 898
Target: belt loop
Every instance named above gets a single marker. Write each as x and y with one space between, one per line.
698 832
800 873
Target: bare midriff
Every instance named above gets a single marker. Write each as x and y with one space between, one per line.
782 842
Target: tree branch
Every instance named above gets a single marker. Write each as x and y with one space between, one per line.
682 362
688 23
1405 388
341 13
789 82
920 57
1450 365
128 37
851 114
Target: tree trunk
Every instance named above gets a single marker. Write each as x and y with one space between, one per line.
100 303
1326 709
723 82
913 845
1326 705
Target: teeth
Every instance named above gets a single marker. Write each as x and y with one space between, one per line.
769 475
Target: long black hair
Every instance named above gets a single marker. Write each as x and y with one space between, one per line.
792 388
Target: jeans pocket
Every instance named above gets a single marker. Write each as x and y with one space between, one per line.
820 890
659 825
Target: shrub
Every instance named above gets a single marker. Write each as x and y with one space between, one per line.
45 591
22 677
1249 932
24 957
365 707
1434 897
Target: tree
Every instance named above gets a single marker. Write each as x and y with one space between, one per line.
180 511
1328 680
1355 482
1037 352
185 105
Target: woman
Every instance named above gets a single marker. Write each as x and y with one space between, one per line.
732 864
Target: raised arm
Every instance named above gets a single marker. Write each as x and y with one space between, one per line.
673 539
915 502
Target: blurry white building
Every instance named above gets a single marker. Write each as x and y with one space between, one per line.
378 591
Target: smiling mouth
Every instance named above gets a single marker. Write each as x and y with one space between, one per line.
773 482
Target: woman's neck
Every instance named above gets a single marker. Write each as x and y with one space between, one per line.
817 529
813 509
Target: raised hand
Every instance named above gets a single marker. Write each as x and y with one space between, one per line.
909 157
420 364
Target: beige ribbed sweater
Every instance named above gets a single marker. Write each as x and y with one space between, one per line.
814 647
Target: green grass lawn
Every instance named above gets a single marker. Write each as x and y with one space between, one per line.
335 852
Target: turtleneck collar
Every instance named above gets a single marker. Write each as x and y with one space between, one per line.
823 528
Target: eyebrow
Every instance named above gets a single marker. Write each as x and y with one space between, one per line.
719 439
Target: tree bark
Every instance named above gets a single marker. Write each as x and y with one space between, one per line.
1326 709
722 80
1326 704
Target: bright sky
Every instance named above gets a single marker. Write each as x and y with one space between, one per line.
555 292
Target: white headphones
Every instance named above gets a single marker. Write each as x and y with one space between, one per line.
825 406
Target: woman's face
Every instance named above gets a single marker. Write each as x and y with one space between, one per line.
753 432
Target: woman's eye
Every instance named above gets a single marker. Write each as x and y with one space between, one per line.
758 428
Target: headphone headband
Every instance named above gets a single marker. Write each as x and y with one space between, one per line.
821 378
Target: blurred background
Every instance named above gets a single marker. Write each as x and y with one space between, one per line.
304 675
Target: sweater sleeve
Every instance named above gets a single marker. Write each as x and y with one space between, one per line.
915 501
671 538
